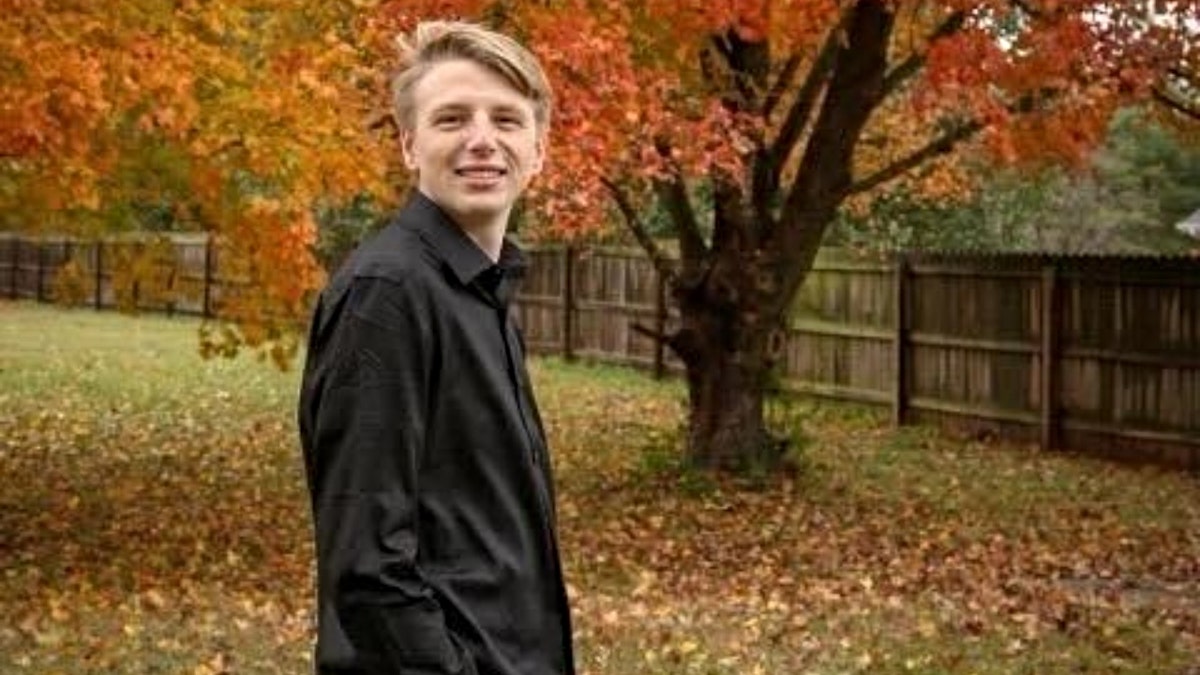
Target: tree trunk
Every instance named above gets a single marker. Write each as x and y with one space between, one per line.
726 428
729 365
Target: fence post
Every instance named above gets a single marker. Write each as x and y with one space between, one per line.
208 277
172 277
98 300
1049 358
41 270
568 318
14 260
138 250
900 341
68 253
660 326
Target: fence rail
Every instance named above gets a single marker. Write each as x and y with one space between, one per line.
1098 355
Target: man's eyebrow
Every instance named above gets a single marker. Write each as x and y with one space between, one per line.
509 108
448 107
501 108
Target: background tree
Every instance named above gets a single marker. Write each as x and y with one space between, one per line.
771 105
251 113
233 117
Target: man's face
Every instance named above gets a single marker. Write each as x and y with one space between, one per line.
474 142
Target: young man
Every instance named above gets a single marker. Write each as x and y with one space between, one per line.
425 455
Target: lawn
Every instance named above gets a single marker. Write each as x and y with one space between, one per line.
153 519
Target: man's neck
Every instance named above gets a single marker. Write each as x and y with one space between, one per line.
488 237
488 234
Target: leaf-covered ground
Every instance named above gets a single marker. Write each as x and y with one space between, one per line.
153 520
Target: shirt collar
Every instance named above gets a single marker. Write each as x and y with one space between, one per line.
459 251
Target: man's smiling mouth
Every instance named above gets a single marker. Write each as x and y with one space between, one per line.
480 172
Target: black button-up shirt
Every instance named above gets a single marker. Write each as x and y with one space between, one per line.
426 464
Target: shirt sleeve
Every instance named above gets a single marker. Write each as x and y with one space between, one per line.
367 428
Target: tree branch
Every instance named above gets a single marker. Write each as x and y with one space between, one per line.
854 91
722 45
664 265
731 228
651 333
747 65
736 94
806 98
1181 74
1024 6
938 146
674 196
781 84
769 167
913 64
1164 97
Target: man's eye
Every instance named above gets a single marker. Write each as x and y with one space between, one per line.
447 120
509 122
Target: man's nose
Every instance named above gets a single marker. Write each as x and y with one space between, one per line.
481 135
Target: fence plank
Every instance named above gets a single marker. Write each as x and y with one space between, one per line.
900 346
209 268
14 264
1049 359
99 297
660 327
568 303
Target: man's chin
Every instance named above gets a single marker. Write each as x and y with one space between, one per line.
478 211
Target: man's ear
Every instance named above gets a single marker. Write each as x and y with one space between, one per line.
407 149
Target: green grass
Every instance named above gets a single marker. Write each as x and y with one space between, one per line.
153 519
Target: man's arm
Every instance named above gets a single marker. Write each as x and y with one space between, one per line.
367 435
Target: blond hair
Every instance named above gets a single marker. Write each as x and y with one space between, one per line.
433 42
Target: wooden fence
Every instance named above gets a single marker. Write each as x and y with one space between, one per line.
1095 354
185 280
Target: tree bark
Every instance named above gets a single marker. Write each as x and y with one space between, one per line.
726 430
730 348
